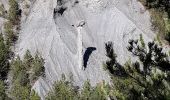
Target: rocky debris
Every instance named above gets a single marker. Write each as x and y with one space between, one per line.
76 2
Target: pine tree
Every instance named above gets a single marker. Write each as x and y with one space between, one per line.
63 90
147 79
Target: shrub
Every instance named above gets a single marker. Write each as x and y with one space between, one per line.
62 91
23 72
34 96
28 60
38 68
3 95
160 14
20 92
14 12
2 11
94 93
10 34
142 41
16 67
4 56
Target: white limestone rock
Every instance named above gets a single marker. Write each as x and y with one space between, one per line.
63 39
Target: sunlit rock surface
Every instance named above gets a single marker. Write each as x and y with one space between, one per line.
63 34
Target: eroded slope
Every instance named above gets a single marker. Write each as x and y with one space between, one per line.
62 36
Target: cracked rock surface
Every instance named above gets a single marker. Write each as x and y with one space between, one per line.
62 38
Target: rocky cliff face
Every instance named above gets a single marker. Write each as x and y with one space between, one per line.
72 33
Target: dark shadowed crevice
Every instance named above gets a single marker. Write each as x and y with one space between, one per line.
86 56
59 11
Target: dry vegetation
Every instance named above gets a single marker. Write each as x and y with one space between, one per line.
159 18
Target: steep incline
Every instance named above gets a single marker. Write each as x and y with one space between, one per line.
62 37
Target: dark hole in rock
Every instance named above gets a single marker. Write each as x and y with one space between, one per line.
60 10
76 2
19 12
3 75
86 56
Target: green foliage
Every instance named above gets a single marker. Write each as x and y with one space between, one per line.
10 34
86 92
158 39
94 93
142 41
142 80
2 91
34 96
146 79
160 14
110 54
2 10
21 85
3 95
16 67
20 92
38 67
25 72
14 12
153 57
19 72
4 64
28 60
63 90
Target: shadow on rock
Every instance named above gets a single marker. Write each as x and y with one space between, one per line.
86 56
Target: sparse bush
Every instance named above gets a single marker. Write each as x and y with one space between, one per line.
142 41
86 91
14 12
28 60
99 92
2 11
4 56
38 68
34 96
10 34
16 67
160 15
12 25
3 95
63 90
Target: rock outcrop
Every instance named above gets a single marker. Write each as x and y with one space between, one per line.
63 30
